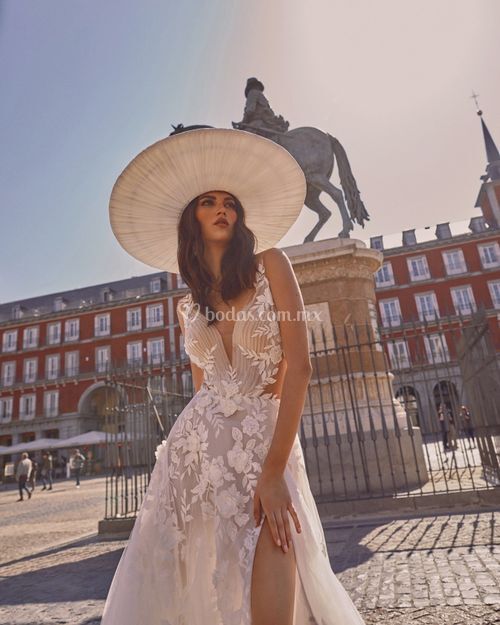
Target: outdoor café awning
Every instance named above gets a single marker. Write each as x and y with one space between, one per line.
94 437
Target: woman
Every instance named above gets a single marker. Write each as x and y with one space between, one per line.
228 532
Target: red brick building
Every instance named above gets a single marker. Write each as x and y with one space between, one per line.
56 351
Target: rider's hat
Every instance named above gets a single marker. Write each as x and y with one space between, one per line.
152 191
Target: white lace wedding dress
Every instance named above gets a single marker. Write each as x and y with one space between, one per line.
190 555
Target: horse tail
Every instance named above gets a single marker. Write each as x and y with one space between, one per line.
349 187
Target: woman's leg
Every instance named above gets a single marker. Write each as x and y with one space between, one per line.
273 581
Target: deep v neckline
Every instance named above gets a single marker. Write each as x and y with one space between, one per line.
229 358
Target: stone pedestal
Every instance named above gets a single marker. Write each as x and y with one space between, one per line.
351 411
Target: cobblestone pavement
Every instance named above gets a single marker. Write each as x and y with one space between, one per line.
428 570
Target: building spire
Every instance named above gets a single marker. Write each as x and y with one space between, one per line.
492 153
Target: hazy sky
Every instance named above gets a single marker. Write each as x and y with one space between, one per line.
87 84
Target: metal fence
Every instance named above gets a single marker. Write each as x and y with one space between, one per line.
383 417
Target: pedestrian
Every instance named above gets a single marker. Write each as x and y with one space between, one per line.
22 475
452 429
444 426
47 467
77 462
33 474
468 427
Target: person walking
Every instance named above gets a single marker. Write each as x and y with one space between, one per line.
443 423
33 474
452 429
47 467
22 475
467 424
77 462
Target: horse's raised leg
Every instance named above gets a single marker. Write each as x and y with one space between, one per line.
312 201
322 183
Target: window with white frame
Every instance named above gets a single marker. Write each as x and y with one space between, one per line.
30 370
9 341
54 333
454 262
102 358
52 366
51 403
30 337
489 254
72 330
494 288
156 351
72 363
27 406
134 319
187 383
8 373
18 311
155 285
134 353
390 312
59 304
427 306
154 315
180 282
436 348
418 268
384 276
6 407
398 354
102 324
463 300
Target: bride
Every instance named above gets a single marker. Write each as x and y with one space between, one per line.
228 532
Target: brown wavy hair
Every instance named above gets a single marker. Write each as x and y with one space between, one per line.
238 266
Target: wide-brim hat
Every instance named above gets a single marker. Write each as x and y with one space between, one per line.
150 194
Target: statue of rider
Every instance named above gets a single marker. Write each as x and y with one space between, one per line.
259 116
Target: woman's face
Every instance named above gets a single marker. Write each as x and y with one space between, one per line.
216 212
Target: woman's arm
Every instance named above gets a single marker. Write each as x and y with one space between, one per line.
293 328
196 372
271 491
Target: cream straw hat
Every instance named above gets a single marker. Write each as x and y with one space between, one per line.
152 191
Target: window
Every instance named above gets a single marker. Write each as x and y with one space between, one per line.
72 363
27 406
107 295
51 403
463 300
59 304
9 341
134 319
155 285
180 282
156 351
418 268
390 312
30 337
384 276
102 325
398 354
102 359
72 330
17 312
489 254
427 306
187 383
54 333
436 348
6 404
494 288
134 353
454 262
8 373
154 315
30 370
52 366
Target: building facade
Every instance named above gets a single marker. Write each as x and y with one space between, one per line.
57 351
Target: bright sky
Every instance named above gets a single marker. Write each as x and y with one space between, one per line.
87 84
